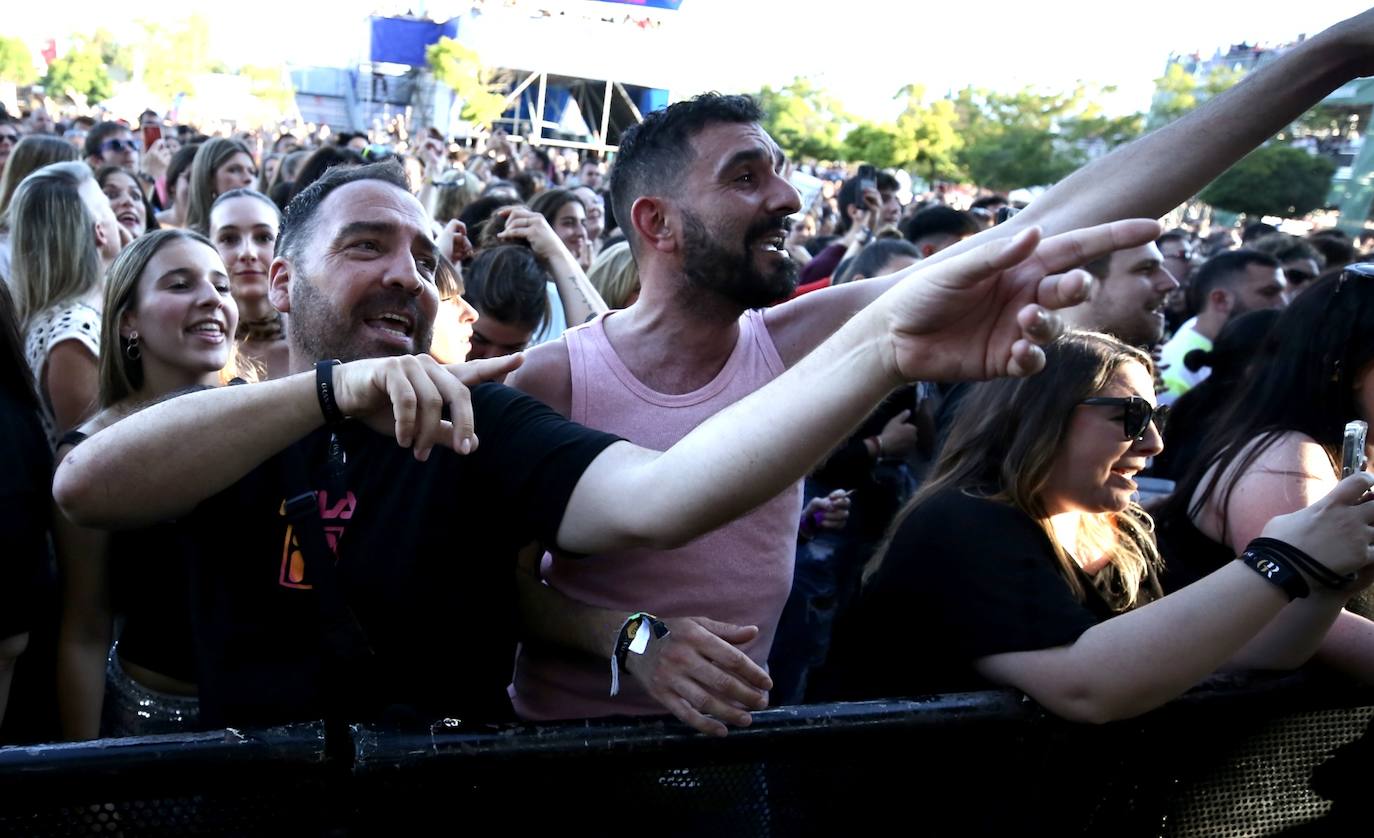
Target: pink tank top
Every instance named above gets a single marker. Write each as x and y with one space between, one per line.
740 573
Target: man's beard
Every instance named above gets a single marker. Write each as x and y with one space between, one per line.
711 265
317 332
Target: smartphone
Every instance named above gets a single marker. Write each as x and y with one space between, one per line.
868 179
1352 450
151 134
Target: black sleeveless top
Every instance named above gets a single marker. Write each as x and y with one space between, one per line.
150 588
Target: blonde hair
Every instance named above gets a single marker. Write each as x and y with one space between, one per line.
119 375
454 190
1002 446
209 157
615 274
33 153
52 240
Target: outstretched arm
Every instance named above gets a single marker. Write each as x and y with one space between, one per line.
981 316
1135 662
1143 179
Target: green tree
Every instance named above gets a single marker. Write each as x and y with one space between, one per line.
270 84
16 62
173 55
804 120
1178 91
81 73
923 138
1272 180
481 90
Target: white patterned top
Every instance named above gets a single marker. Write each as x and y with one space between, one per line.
78 321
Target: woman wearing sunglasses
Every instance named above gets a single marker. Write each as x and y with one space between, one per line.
1025 561
1277 447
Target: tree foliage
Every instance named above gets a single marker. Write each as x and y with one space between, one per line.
482 90
272 85
174 54
1029 138
81 73
804 120
1178 91
16 62
1272 180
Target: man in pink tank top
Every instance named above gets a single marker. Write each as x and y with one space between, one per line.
700 190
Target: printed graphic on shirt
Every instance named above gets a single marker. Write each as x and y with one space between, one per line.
292 573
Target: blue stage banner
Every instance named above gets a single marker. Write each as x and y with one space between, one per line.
671 5
399 40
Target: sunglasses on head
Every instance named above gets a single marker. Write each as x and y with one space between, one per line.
1136 413
118 145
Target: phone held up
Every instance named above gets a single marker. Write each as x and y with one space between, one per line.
151 134
1353 457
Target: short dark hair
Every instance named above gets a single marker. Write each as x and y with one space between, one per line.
1173 236
99 134
989 201
1225 267
1334 245
887 183
298 219
939 221
1286 248
655 154
1256 230
322 160
508 283
875 257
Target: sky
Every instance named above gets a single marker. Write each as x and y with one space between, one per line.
862 51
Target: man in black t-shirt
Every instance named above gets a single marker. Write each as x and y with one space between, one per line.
421 526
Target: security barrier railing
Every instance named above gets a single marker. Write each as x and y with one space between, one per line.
1234 758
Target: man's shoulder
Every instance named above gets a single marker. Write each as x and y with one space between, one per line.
546 374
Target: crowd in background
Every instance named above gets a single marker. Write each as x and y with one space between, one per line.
145 263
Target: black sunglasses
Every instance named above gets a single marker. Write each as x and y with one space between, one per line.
6 136
1136 413
118 145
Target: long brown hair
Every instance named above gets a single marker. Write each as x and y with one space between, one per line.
120 376
1002 446
209 157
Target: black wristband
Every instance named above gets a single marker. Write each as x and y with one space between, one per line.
1267 562
1319 572
324 390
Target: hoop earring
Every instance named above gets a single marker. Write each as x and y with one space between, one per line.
132 352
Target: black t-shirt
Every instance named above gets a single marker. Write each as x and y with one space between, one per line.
425 559
965 577
25 504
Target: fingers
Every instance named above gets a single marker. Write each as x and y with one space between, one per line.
1352 490
472 373
1064 290
457 431
1078 247
1026 359
688 715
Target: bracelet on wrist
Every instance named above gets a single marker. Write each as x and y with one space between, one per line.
324 391
1308 566
634 636
878 446
1271 565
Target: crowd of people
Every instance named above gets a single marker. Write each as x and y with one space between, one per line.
388 427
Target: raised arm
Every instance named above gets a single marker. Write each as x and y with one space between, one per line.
1143 179
980 316
581 301
128 475
1144 658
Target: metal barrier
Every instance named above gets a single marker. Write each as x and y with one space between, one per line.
1230 759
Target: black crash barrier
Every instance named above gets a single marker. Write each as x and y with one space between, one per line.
1233 758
